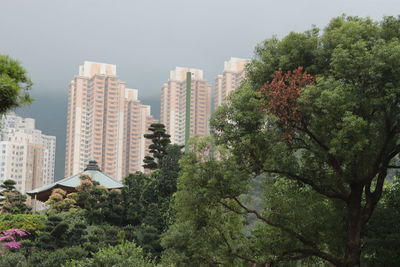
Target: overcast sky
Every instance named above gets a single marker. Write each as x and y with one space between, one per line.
146 39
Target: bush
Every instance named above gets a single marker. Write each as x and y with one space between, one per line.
125 254
43 258
13 260
73 217
104 235
53 235
26 222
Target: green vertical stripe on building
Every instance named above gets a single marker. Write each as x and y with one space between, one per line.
187 115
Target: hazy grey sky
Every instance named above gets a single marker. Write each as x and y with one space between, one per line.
146 39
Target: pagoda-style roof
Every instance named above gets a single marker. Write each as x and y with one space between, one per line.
69 184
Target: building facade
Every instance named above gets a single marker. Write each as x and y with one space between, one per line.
173 104
99 110
231 78
137 120
26 155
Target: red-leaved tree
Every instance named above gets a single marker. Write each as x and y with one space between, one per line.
282 94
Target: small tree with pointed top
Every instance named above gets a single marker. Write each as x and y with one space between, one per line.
13 201
160 141
8 185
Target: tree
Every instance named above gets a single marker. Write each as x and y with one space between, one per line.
125 254
14 201
382 236
53 235
14 85
338 137
203 232
132 194
8 186
113 208
147 197
60 201
160 140
99 204
147 200
169 172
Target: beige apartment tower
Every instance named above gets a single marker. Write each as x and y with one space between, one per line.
173 104
230 80
137 120
102 115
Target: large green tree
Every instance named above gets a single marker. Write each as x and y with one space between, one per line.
340 133
318 118
14 84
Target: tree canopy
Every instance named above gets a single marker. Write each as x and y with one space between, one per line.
14 84
317 124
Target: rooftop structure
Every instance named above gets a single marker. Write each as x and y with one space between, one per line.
70 183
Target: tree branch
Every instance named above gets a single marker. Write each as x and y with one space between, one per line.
230 248
372 198
305 253
393 167
269 222
312 251
337 195
331 160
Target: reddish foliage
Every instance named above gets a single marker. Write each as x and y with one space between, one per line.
282 94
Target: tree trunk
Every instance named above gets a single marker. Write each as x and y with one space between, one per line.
354 227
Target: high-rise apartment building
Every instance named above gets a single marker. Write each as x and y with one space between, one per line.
232 77
26 155
137 120
173 104
102 115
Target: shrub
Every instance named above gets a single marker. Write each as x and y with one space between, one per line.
122 255
56 258
11 238
53 235
26 222
13 260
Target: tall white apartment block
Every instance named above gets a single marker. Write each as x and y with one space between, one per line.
102 115
232 77
26 155
173 104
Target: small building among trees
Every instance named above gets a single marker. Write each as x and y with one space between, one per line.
69 184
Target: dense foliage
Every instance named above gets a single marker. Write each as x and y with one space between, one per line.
317 124
382 236
148 199
125 254
14 85
27 222
98 227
